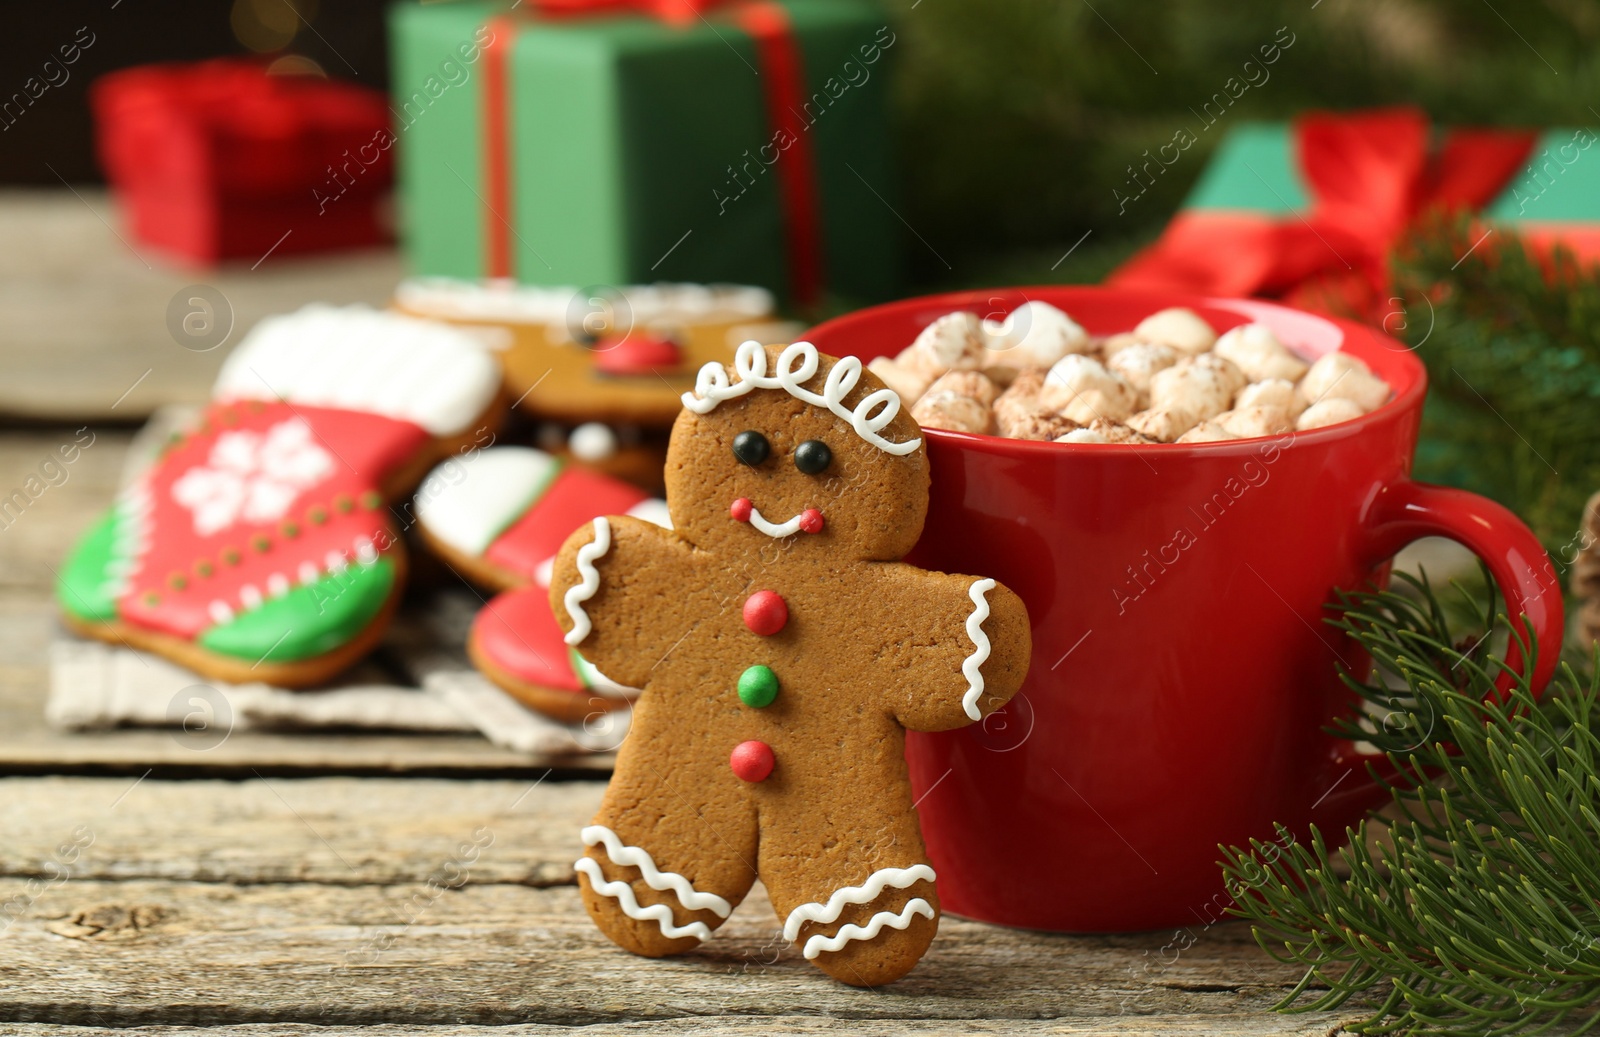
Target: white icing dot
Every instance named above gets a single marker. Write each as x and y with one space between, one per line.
592 441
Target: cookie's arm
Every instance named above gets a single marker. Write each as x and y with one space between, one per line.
607 588
963 654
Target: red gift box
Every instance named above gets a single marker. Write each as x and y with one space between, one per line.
224 160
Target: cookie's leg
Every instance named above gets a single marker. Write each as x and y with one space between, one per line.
857 899
671 852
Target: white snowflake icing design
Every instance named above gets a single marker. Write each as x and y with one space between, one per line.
252 476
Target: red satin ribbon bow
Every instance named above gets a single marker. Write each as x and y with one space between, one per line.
673 12
1370 176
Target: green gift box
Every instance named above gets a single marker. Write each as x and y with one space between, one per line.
587 148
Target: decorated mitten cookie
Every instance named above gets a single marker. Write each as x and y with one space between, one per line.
783 651
497 517
259 547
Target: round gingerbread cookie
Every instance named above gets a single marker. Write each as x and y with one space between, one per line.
260 546
619 356
783 651
497 517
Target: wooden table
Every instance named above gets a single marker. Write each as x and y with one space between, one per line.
320 879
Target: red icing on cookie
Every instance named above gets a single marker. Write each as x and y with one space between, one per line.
752 761
637 354
518 633
573 498
264 497
765 613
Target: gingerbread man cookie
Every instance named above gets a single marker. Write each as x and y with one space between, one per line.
783 651
260 546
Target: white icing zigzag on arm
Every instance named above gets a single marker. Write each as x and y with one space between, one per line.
654 877
980 652
796 364
579 593
899 878
819 943
660 914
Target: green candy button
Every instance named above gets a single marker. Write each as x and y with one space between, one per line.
758 686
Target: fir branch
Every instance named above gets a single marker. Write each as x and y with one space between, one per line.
1512 347
1479 911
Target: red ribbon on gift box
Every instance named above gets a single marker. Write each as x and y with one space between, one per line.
783 82
1371 176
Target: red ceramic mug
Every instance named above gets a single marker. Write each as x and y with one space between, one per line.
1182 672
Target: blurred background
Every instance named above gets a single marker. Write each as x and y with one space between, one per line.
1014 121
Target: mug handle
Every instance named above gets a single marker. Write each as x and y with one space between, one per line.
1404 511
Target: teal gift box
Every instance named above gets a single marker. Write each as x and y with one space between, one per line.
602 147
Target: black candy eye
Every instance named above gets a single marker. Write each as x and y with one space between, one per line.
751 447
813 457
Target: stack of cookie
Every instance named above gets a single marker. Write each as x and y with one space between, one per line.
1039 375
269 542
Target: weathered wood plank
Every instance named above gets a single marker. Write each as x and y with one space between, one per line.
420 902
1120 1026
85 312
340 831
144 952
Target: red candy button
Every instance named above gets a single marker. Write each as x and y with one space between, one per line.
811 521
765 613
752 761
740 509
636 354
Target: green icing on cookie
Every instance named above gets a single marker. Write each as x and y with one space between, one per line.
84 588
310 620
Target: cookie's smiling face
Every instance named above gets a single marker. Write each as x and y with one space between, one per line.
767 468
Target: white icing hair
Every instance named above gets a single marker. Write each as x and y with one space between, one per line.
796 364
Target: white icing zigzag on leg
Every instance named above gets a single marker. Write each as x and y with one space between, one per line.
582 592
819 943
660 914
899 878
654 877
980 652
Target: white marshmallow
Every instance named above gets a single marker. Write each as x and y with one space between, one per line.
1206 432
1330 411
1343 376
1138 363
952 411
1201 389
1178 327
1080 388
1259 353
1162 423
1034 334
1274 392
1082 435
954 342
